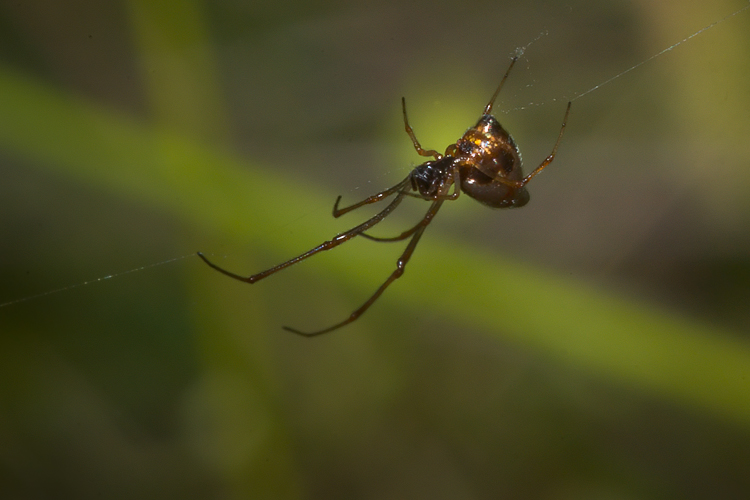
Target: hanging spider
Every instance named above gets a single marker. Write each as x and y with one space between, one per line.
484 163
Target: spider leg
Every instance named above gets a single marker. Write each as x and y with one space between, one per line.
327 245
488 108
400 237
400 187
551 156
547 161
400 265
413 137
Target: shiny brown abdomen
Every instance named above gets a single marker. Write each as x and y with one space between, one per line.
489 154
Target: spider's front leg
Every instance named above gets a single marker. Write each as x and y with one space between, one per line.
327 245
400 187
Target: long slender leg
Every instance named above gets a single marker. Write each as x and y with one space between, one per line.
400 187
420 151
400 265
488 108
400 237
336 241
547 161
551 156
422 223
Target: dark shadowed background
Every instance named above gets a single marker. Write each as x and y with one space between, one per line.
593 344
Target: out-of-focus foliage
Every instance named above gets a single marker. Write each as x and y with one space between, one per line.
592 344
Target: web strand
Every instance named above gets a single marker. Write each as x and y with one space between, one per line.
91 282
673 46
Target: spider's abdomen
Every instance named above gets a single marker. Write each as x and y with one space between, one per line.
489 148
487 152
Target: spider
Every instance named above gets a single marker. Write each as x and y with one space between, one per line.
484 163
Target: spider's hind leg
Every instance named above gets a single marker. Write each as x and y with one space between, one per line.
401 187
396 274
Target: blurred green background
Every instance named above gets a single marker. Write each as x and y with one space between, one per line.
592 345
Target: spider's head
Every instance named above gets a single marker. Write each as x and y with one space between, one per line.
428 177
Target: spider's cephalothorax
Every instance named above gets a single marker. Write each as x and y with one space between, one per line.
427 178
484 163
